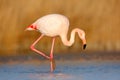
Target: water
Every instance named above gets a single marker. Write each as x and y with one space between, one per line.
65 70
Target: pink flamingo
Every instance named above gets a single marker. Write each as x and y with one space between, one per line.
53 25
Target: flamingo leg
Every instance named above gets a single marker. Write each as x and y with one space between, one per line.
52 61
39 52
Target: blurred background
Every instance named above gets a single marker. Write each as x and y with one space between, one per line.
99 18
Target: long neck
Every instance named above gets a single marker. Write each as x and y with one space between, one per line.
72 37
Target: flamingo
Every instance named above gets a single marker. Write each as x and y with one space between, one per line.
54 25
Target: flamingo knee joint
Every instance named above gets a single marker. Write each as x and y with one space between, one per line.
32 47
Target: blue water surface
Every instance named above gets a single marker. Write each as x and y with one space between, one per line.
65 70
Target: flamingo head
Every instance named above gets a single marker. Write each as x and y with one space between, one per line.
84 43
31 27
82 37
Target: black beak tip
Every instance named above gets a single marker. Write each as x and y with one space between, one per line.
84 46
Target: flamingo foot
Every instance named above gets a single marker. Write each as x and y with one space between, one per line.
52 64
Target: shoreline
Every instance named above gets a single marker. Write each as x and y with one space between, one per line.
66 56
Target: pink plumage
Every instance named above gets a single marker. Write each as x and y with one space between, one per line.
53 25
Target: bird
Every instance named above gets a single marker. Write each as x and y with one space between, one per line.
53 25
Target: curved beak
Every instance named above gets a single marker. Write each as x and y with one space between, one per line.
84 46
